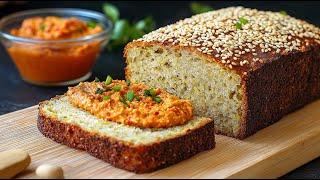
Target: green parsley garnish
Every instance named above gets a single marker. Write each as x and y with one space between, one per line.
242 21
283 12
238 25
128 82
106 98
91 24
137 98
157 99
116 88
152 93
130 96
123 100
42 27
108 80
99 91
96 79
149 92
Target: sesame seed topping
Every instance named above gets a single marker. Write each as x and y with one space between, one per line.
214 33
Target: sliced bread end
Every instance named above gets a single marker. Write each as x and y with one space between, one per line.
61 122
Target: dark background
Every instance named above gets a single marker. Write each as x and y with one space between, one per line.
15 94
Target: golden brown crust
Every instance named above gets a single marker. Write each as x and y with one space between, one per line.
281 86
138 159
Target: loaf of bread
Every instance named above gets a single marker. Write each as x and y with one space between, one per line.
244 67
123 145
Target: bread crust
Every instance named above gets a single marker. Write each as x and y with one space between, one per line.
124 155
281 84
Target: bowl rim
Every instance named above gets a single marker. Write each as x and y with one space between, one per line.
83 12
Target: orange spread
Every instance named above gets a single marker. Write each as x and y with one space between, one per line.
54 62
54 28
142 111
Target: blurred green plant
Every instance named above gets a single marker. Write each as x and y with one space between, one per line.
197 8
283 12
123 31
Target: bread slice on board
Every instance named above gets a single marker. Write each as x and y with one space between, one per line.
131 148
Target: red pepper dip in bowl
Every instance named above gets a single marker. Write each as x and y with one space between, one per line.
55 47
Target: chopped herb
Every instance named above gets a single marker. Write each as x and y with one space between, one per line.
157 99
99 91
243 20
283 12
42 27
146 92
130 96
137 98
108 80
149 92
128 82
123 100
91 24
106 98
152 92
116 88
238 25
96 79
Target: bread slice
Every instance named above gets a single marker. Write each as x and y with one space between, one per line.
131 148
243 67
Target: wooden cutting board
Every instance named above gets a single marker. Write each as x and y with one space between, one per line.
270 153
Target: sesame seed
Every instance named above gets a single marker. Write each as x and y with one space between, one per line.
214 33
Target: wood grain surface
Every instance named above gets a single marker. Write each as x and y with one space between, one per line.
270 153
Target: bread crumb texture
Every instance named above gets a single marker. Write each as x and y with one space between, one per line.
213 91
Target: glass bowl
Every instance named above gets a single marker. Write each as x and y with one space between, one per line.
55 62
